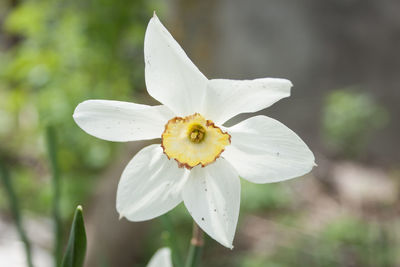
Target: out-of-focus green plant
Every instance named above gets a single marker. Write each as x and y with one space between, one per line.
8 186
170 240
51 139
349 119
53 55
262 197
343 242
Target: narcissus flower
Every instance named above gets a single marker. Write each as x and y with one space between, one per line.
162 258
199 160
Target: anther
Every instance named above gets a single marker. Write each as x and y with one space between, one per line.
197 133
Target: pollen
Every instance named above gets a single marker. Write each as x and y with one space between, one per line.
193 141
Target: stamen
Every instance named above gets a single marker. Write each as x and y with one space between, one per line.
196 133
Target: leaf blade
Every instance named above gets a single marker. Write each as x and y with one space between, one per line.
76 248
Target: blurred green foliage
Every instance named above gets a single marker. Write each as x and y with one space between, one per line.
349 120
345 241
53 55
263 197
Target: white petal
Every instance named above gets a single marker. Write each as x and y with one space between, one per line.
263 150
212 196
171 77
227 98
162 258
150 185
121 121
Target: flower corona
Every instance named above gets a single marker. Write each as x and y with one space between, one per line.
193 141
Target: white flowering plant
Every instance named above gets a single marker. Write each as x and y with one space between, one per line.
199 161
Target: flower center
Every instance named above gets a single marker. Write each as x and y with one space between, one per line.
193 141
196 133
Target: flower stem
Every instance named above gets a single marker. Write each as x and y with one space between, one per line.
51 139
15 210
196 247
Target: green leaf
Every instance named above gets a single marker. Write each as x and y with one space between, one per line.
76 249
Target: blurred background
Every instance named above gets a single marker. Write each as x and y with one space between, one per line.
342 57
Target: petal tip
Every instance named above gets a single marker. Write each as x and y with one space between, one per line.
287 81
154 18
75 115
289 86
79 107
228 245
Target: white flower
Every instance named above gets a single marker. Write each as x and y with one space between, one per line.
162 258
199 161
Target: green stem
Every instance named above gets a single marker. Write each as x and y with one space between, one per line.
15 210
196 247
51 139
